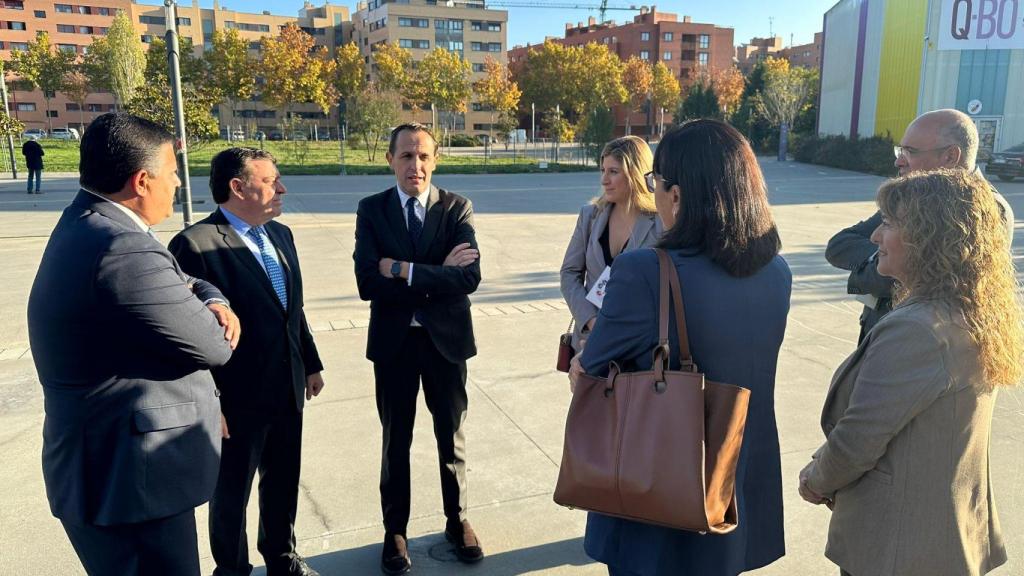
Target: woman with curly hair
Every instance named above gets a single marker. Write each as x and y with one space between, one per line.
905 467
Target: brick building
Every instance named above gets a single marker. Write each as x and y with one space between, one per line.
71 27
463 26
758 49
685 47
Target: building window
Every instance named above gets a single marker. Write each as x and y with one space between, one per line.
405 22
159 20
476 26
666 56
477 67
26 106
71 107
705 41
702 58
147 38
16 25
476 46
645 55
84 10
2 45
98 107
85 30
183 21
19 46
51 113
494 26
12 4
667 37
63 8
421 44
69 48
40 13
102 11
255 45
494 46
645 36
481 107
65 28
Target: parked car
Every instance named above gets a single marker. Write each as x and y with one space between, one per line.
65 134
33 134
1008 164
276 135
259 135
238 135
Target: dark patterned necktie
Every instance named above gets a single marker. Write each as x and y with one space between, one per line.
273 268
415 224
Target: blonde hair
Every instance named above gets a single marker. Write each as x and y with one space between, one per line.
635 156
958 253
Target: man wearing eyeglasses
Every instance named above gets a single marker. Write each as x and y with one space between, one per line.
938 139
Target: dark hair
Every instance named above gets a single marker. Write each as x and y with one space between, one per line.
411 127
723 206
230 164
117 145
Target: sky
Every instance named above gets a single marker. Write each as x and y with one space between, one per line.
750 18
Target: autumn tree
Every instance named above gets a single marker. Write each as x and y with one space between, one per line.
600 79
43 67
231 68
638 78
729 84
497 92
296 70
394 71
442 79
665 92
10 126
371 114
784 95
77 89
349 72
117 61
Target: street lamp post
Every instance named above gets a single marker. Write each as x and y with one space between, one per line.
10 137
174 75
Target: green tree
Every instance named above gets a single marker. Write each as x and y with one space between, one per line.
638 78
117 61
700 102
43 67
600 74
546 75
597 128
296 70
10 126
349 71
371 114
498 93
394 71
230 68
785 94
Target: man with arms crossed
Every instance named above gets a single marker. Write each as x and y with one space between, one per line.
416 261
275 368
122 341
938 139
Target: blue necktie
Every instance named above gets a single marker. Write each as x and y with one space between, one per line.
273 268
415 225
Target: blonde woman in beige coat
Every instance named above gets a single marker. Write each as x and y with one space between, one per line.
622 218
905 467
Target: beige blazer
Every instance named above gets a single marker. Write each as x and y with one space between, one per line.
906 459
584 260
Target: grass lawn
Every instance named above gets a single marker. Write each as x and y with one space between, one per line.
322 158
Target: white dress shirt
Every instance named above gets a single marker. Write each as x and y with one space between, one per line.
420 207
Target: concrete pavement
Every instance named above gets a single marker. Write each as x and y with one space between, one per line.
517 400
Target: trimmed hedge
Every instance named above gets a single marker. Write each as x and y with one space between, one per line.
872 155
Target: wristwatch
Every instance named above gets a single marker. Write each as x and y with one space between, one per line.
396 269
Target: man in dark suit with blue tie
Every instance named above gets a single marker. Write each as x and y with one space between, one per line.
416 261
122 341
275 369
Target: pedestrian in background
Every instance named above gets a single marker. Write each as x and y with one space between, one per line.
33 153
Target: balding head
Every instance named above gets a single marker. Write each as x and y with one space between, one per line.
939 139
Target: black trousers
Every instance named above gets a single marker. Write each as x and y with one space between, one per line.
444 390
273 448
163 547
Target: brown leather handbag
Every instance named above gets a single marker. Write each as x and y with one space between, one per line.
659 446
565 350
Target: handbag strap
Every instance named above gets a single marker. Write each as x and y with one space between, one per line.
670 281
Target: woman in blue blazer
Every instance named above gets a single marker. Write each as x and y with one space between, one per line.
713 203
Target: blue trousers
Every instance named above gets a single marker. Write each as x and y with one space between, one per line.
38 173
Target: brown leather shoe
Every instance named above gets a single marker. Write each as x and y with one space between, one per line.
467 545
394 558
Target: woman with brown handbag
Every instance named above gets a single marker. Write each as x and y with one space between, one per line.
724 245
622 218
908 417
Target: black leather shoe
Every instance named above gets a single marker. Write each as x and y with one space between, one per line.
300 568
467 545
394 558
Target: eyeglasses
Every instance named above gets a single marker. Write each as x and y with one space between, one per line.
907 151
652 181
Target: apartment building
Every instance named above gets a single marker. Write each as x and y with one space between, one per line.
685 47
72 27
758 49
466 27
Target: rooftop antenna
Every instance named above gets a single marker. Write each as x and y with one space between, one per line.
771 27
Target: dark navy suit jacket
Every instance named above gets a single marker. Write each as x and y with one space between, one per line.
736 326
122 344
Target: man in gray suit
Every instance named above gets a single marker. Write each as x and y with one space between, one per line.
123 342
937 139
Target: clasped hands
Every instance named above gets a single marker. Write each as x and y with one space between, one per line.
810 495
461 255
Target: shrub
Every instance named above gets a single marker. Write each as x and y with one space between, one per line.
463 141
872 155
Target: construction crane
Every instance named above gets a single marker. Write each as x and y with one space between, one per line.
603 8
